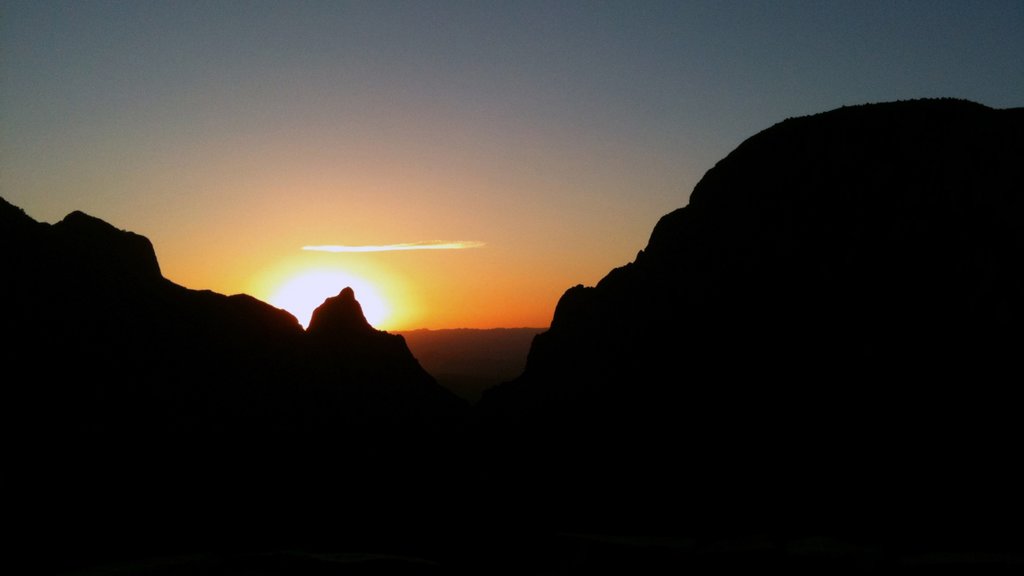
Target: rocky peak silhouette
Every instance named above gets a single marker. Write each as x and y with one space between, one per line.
339 316
116 254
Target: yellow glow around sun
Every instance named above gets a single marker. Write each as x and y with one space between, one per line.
304 292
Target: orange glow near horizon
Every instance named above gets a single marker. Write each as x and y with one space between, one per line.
299 287
302 294
432 289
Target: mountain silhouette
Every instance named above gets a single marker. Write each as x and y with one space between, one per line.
339 317
811 367
824 341
188 418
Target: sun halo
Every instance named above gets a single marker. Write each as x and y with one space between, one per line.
301 294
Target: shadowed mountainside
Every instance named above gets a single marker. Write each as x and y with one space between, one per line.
187 418
825 340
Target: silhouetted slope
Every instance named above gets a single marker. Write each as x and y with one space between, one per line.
405 392
824 340
185 417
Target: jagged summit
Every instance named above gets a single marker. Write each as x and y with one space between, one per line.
116 253
339 316
79 246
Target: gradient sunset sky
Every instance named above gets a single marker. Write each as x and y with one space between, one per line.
514 149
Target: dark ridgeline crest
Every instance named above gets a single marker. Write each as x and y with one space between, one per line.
826 340
145 418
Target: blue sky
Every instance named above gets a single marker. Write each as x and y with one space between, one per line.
556 133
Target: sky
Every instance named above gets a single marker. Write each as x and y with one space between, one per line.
511 149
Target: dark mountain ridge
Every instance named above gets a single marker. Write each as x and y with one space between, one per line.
822 341
188 418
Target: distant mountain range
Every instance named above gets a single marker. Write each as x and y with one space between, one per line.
469 361
813 368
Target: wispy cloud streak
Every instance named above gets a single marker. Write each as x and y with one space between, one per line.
433 245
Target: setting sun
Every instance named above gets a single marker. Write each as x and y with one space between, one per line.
301 294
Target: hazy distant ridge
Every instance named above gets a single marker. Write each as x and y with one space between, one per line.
469 361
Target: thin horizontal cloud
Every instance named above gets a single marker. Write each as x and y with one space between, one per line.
433 245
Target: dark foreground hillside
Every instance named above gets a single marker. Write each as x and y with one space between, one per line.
141 417
824 342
